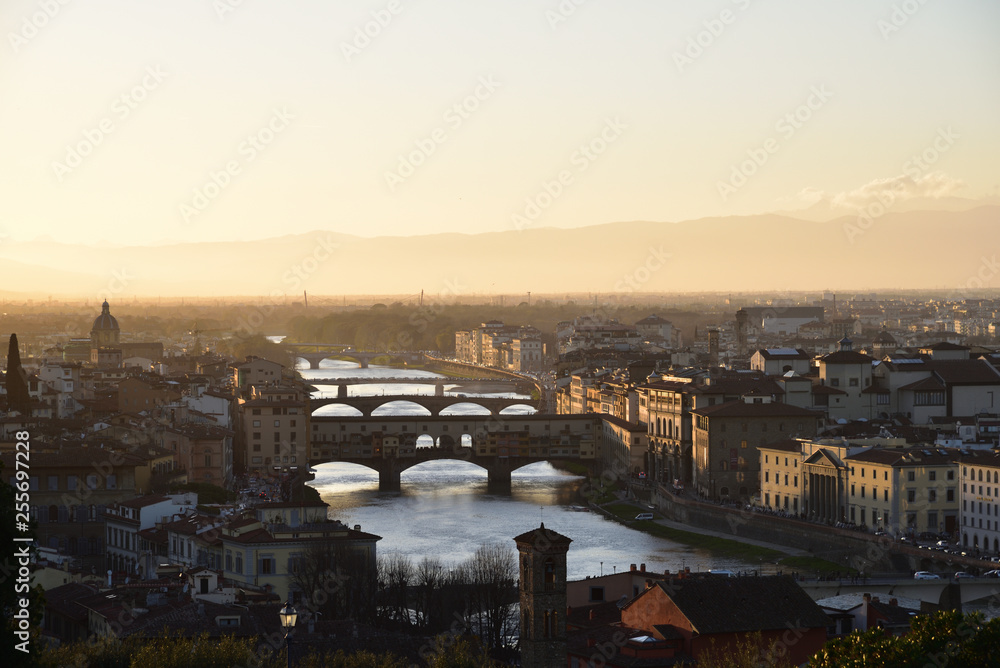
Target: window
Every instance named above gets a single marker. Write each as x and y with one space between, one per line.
53 482
911 476
71 482
549 574
92 481
277 423
256 423
239 563
111 482
911 495
834 382
767 476
950 475
852 382
932 475
597 594
932 495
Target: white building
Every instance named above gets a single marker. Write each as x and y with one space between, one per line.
980 496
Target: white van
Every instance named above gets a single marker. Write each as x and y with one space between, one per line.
644 516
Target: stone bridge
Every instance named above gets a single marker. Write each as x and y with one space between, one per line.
389 468
435 404
322 351
500 444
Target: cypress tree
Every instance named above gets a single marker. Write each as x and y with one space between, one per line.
18 398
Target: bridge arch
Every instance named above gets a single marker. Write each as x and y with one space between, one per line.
337 410
519 409
466 408
412 406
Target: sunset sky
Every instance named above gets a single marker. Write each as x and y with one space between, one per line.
451 116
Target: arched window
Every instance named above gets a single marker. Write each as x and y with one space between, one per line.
549 574
980 475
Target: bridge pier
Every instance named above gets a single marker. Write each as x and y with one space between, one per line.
388 476
314 363
341 391
499 477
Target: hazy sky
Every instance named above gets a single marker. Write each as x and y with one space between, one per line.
454 115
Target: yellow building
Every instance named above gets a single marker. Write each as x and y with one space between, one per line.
909 490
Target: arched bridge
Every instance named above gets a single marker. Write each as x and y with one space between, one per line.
945 593
322 351
434 404
500 444
390 465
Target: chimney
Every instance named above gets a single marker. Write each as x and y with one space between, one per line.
893 601
867 597
642 567
631 567
357 527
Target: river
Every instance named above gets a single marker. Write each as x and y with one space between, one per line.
445 512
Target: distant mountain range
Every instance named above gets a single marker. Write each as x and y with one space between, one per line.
901 249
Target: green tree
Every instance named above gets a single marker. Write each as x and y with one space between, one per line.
944 638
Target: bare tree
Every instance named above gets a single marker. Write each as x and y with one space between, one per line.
395 575
492 593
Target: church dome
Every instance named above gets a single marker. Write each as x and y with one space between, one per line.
105 321
885 337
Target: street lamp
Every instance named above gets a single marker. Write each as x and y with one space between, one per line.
288 615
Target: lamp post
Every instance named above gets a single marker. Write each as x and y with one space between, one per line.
288 615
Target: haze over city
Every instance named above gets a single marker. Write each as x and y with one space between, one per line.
222 121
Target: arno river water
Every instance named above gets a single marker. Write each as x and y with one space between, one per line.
444 511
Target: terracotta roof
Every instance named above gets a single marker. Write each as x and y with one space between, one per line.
916 456
542 537
787 445
740 604
143 501
625 424
846 357
740 408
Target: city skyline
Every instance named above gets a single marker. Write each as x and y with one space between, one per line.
221 121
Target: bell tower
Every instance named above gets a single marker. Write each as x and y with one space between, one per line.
542 589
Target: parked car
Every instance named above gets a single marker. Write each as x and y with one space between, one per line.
962 574
992 574
926 575
644 516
